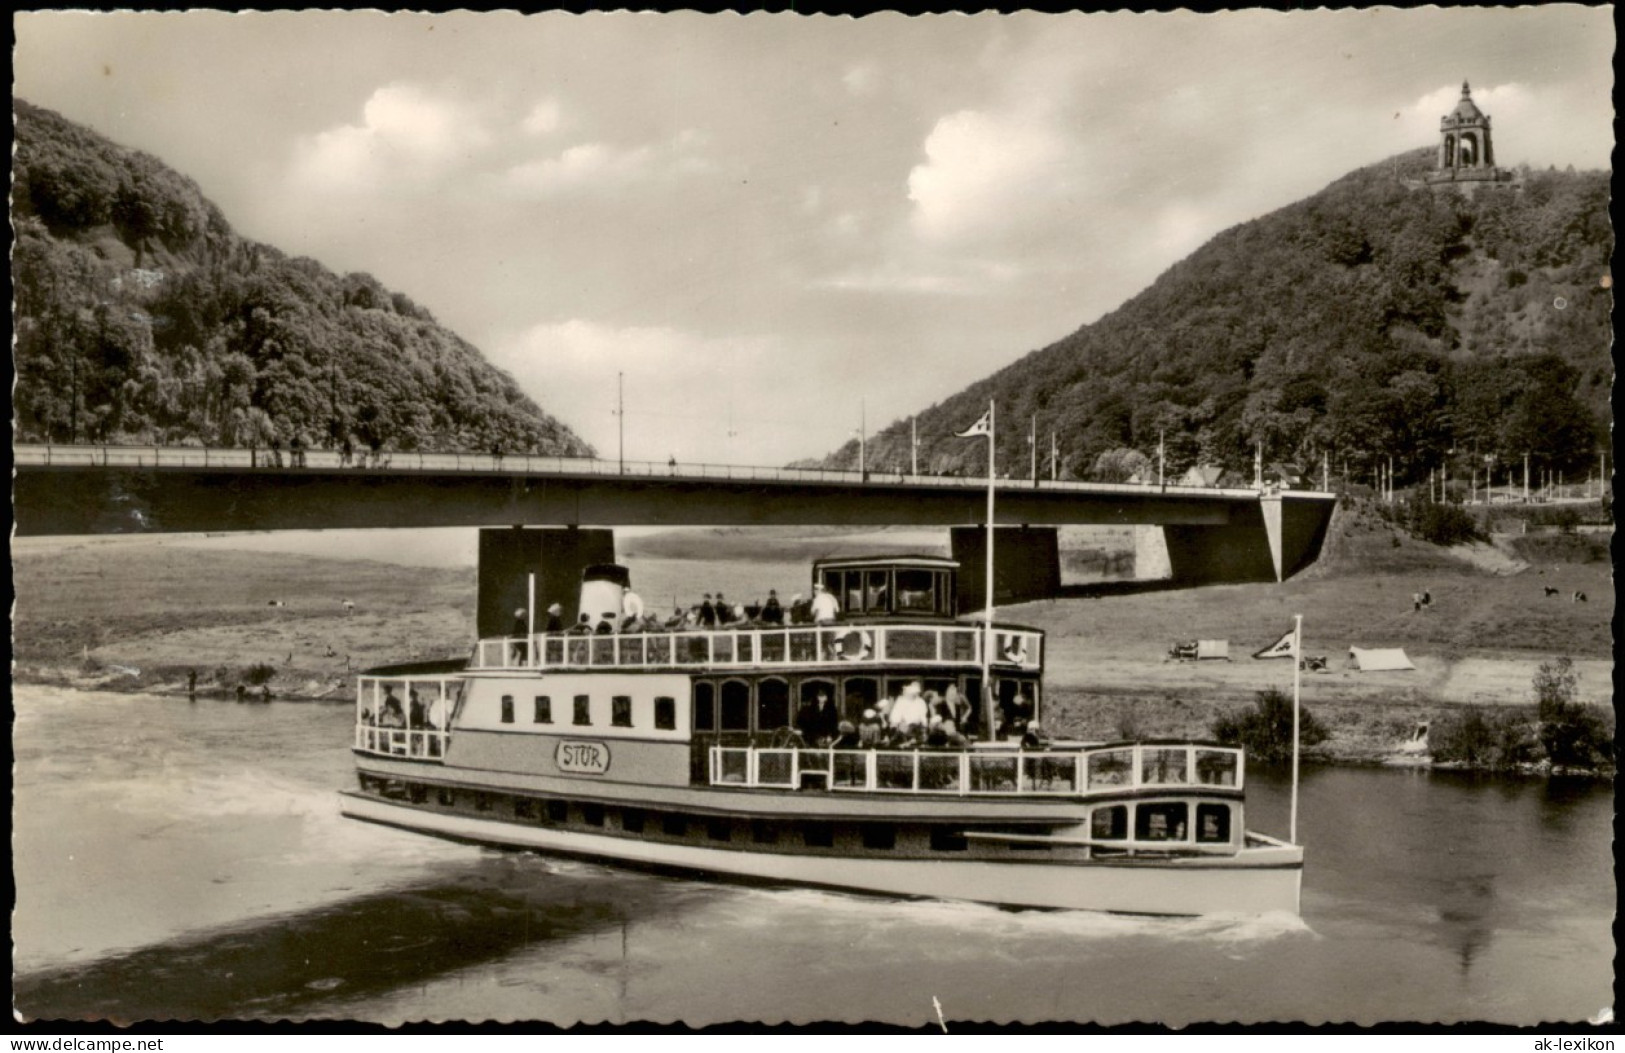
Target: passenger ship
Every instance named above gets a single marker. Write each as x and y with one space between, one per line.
676 750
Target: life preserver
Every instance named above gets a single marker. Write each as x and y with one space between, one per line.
854 646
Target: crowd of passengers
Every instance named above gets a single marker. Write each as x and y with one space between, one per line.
710 613
913 719
414 714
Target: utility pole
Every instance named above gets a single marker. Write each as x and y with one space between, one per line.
1032 446
620 419
1162 461
1258 465
1526 478
1054 459
913 448
863 438
1325 473
1390 480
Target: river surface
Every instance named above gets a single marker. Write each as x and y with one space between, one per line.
179 860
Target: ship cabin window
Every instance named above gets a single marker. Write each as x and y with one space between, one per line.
592 814
772 704
1018 704
1213 824
507 709
735 705
558 811
446 797
1162 821
673 825
857 694
878 835
719 829
583 711
764 832
620 711
808 691
818 835
524 808
917 592
544 710
705 708
632 821
1109 824
877 593
665 714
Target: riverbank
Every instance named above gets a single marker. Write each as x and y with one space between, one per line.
140 614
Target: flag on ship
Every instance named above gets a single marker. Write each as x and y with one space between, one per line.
1285 647
981 427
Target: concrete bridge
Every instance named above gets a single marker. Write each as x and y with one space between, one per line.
1212 534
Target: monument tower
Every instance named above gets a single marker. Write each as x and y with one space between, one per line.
1466 152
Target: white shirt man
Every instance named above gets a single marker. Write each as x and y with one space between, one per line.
910 710
631 607
825 607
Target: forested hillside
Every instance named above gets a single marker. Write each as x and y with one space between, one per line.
141 317
1376 319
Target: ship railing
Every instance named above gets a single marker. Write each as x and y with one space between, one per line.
406 716
856 645
980 771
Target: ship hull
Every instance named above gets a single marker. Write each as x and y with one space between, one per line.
1258 879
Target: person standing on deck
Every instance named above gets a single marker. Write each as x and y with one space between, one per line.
555 618
521 632
772 612
631 609
708 613
825 608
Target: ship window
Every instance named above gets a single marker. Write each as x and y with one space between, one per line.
764 832
666 713
592 814
482 802
632 821
417 793
1109 824
673 825
852 597
1160 766
583 713
945 840
446 797
558 811
718 830
544 710
735 705
772 704
859 693
878 835
817 835
705 710
876 597
507 709
1161 822
524 808
1213 824
620 711
914 591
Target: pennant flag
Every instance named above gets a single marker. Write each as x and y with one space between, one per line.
981 427
1281 648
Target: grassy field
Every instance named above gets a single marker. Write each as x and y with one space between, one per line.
91 611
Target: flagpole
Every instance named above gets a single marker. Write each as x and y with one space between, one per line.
987 631
1297 686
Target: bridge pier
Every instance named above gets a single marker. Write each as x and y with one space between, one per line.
1027 564
1269 541
556 555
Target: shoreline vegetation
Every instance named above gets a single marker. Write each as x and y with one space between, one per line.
138 614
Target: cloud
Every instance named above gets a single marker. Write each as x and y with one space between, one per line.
545 117
600 167
985 173
406 133
862 79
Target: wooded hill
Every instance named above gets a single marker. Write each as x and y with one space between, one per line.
1378 318
141 317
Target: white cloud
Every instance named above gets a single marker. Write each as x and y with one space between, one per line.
545 117
985 173
600 167
406 133
862 79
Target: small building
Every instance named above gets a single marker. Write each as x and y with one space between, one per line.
1466 150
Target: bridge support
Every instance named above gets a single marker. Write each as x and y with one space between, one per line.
556 555
1027 564
1269 541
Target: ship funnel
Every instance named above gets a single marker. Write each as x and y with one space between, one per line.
601 585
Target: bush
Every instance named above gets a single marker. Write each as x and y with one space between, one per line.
1478 738
1574 735
259 673
1441 523
1265 731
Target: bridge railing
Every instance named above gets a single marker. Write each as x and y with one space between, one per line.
266 459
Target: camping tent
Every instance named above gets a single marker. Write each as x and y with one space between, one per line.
1379 659
1213 649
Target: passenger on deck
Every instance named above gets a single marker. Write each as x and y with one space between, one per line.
583 625
414 711
909 715
708 613
870 729
631 610
555 618
936 711
723 609
958 707
390 714
520 630
818 720
1034 738
753 611
825 608
1016 716
800 611
772 613
846 736
679 619
439 713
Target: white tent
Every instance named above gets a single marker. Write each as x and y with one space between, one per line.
1379 659
1213 649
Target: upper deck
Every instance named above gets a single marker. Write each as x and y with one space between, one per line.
858 644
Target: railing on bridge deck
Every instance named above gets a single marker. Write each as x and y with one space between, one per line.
855 644
982 771
518 464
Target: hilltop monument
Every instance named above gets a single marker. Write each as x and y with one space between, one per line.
1466 152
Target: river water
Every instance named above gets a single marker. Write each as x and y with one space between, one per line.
179 860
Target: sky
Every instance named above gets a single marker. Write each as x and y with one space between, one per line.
774 231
